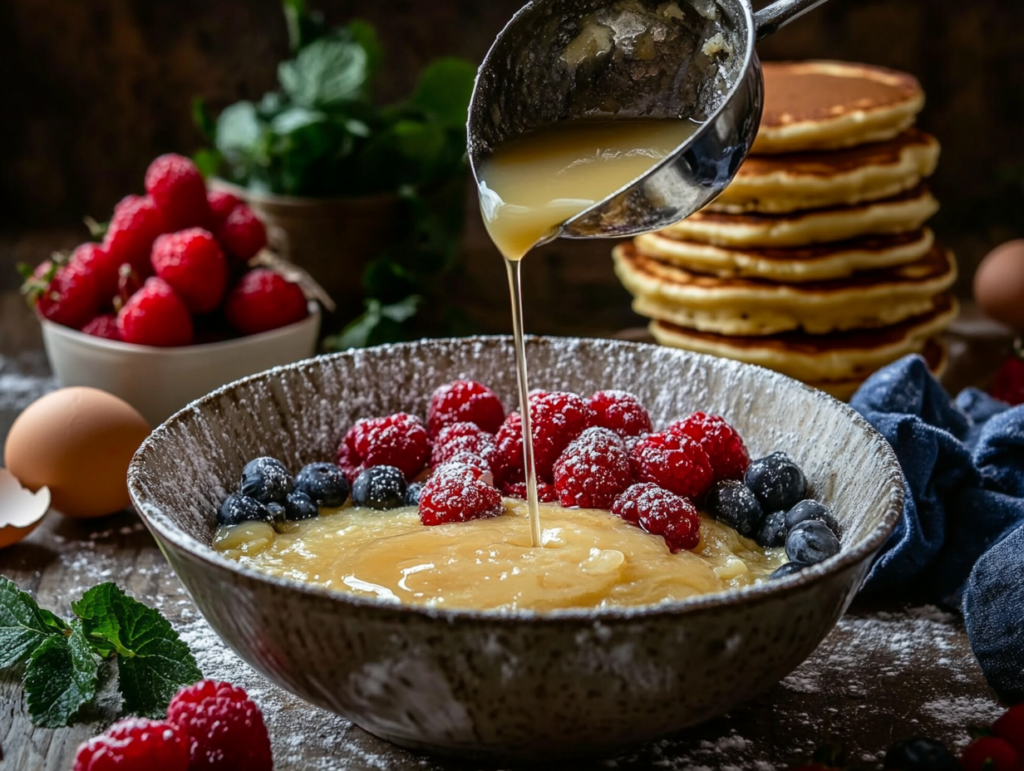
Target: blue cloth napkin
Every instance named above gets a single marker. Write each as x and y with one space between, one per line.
960 540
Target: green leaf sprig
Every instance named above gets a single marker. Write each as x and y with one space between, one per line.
62 659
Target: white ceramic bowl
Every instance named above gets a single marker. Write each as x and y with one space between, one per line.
160 381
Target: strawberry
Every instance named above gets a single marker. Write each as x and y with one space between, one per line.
221 203
263 300
133 229
242 234
104 326
179 192
193 264
96 259
155 315
63 292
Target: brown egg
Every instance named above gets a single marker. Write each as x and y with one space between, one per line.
78 442
999 284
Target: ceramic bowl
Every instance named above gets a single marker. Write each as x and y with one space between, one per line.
520 686
160 381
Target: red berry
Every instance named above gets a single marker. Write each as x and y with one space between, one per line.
224 729
621 412
221 203
462 437
64 294
1008 385
557 419
193 264
179 192
398 440
135 744
465 401
721 442
1010 726
263 300
456 493
242 233
133 229
673 461
546 492
593 470
104 326
989 753
659 512
155 315
95 259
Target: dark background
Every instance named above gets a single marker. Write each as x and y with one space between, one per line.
94 89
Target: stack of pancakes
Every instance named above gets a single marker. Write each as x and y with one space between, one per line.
815 261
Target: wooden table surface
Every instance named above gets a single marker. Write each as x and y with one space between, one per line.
886 671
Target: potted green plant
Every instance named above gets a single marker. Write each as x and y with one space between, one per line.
368 199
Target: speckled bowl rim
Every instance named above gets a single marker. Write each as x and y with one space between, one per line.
164 527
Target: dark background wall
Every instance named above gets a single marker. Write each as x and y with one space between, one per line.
94 89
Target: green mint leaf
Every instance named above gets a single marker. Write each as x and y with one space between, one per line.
296 119
444 89
153 662
23 626
207 161
402 310
328 72
202 119
61 676
239 132
365 35
303 27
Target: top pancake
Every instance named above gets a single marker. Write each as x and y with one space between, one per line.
823 105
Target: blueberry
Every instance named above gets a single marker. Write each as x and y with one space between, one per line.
299 506
267 480
918 754
777 482
787 569
731 503
773 532
241 508
810 542
324 483
811 509
412 495
380 487
276 511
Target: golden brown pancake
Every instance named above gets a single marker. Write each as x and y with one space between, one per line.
824 105
934 353
817 180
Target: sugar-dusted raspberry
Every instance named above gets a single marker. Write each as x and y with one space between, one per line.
660 512
224 728
221 203
263 300
621 412
179 192
457 493
155 315
464 401
593 470
546 492
63 293
557 419
133 229
242 233
721 442
192 262
97 260
135 744
1010 726
104 326
673 461
462 437
398 440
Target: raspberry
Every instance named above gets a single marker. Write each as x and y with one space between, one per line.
242 233
721 442
179 192
1010 726
64 294
546 493
155 315
989 753
558 418
135 744
133 229
95 259
193 264
263 300
224 729
659 512
398 440
462 437
456 493
673 461
465 401
221 203
621 412
593 470
104 326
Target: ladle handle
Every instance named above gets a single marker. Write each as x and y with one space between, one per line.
777 15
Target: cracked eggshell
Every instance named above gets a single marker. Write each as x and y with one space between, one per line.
21 510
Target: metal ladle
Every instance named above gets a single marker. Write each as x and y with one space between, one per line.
561 60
